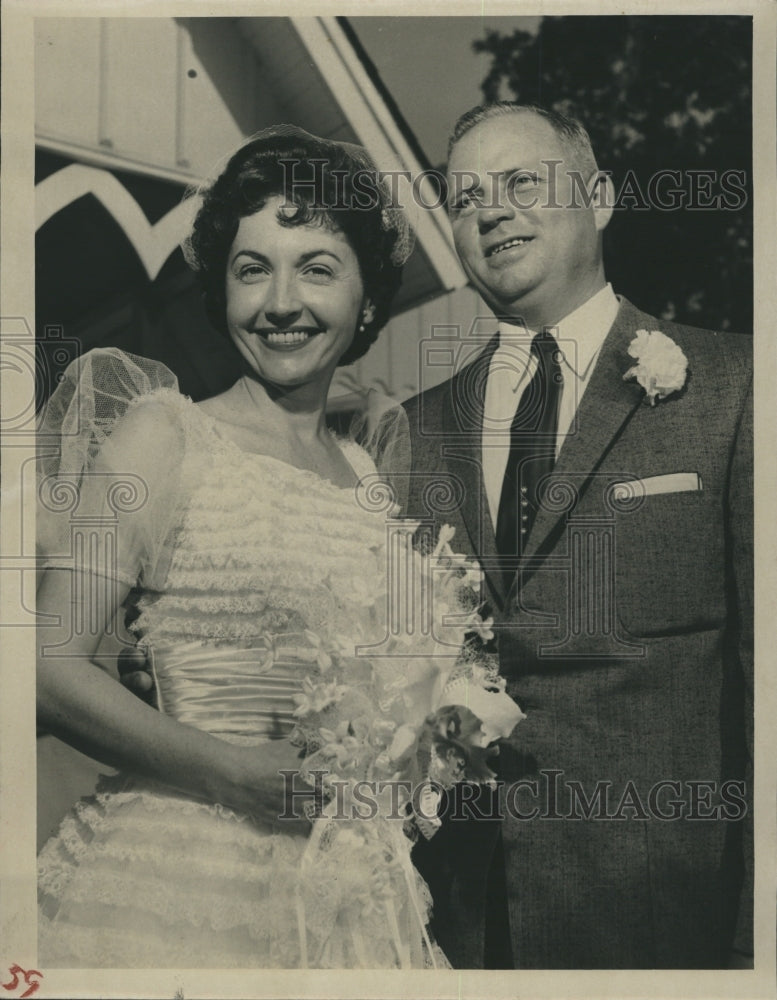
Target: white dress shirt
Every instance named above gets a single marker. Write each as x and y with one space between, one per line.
580 336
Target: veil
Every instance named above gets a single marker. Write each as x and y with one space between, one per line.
109 468
382 428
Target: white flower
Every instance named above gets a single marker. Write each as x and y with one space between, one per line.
323 659
317 697
661 366
443 540
383 730
404 739
482 627
473 575
383 762
344 745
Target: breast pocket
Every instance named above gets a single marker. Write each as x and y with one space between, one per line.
670 564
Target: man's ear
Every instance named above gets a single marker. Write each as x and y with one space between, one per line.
603 201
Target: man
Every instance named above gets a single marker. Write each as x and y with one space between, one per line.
616 541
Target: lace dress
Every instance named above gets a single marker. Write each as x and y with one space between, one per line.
247 565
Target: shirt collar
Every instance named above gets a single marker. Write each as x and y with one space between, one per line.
580 334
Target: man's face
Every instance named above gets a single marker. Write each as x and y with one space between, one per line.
526 256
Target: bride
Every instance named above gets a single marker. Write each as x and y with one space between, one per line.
234 528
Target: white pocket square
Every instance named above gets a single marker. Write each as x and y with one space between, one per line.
673 482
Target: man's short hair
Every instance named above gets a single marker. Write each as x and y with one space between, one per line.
571 132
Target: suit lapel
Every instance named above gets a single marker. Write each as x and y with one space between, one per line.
606 407
463 412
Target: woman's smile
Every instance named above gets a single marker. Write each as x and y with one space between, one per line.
287 340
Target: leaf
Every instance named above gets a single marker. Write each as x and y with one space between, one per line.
643 85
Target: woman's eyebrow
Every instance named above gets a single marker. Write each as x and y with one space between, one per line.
253 254
303 258
310 254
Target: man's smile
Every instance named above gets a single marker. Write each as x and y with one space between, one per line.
513 242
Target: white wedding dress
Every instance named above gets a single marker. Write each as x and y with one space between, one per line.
245 564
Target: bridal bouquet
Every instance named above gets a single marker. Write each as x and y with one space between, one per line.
388 725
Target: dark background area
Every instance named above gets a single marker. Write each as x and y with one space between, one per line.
655 93
91 290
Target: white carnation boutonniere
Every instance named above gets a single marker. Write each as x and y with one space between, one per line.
661 367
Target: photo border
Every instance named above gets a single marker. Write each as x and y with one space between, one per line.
17 730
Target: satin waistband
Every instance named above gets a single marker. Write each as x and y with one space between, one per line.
229 692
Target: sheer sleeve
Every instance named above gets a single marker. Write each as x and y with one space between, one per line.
384 430
111 443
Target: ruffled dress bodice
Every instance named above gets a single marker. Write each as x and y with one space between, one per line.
270 562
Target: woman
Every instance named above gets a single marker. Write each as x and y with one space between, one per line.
236 522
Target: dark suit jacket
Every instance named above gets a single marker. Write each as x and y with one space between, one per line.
627 640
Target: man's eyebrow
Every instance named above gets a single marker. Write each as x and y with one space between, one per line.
512 171
455 191
477 184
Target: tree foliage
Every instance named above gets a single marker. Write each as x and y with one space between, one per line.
655 93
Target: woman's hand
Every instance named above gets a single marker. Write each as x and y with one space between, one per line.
268 786
84 706
81 704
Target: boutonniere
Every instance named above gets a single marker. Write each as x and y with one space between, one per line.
661 366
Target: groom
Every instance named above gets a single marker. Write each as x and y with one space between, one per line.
616 542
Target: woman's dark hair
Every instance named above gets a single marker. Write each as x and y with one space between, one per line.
331 184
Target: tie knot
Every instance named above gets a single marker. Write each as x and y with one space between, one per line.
549 356
544 346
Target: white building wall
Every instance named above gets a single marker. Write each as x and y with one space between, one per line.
203 88
197 79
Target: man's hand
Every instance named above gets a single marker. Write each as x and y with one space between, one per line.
135 672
